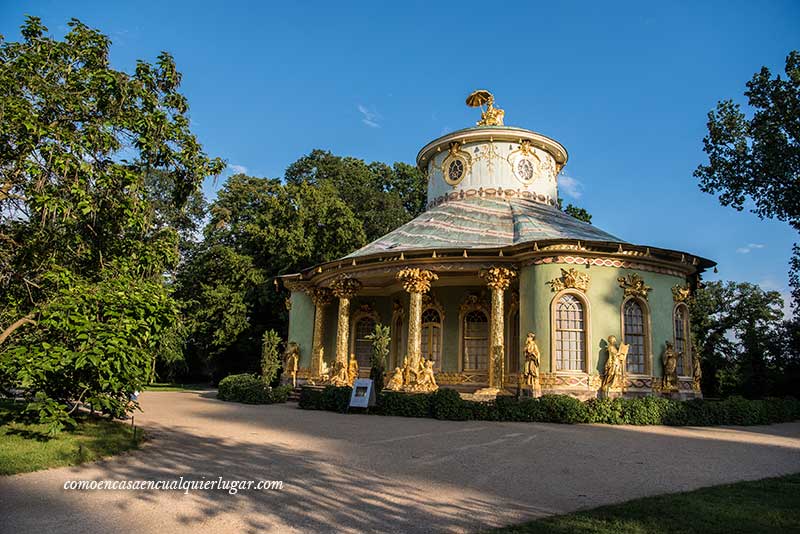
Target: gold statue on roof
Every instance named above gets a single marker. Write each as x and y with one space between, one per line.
491 116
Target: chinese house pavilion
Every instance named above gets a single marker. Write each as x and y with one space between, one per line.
492 259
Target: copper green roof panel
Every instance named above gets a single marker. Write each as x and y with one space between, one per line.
484 223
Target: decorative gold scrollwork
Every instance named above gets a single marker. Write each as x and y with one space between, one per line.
570 279
634 286
681 293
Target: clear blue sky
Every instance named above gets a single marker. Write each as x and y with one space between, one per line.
624 86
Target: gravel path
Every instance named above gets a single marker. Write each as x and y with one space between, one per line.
349 473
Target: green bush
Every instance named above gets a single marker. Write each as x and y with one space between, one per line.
250 389
606 411
330 398
563 409
405 404
448 404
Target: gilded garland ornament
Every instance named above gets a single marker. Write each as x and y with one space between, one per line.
345 287
498 277
570 279
416 280
681 293
634 286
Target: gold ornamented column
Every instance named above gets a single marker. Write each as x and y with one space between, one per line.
415 282
498 279
344 288
321 296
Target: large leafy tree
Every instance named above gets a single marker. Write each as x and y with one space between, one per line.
737 330
83 306
757 158
385 197
259 228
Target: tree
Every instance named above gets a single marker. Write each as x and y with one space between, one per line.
259 228
386 197
270 356
83 305
574 211
757 159
381 339
735 327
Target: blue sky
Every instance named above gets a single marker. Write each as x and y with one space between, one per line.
624 86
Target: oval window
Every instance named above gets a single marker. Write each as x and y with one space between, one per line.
525 170
455 170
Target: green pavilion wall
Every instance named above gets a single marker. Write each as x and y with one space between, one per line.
605 298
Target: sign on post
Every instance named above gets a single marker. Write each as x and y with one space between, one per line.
363 395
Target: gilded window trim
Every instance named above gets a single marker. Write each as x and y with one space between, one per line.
587 320
466 308
648 336
687 326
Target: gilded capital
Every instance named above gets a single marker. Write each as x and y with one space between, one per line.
570 279
634 286
296 285
321 296
498 277
416 280
345 287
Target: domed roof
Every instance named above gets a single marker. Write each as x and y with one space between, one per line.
477 222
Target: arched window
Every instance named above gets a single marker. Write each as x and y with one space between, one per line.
476 341
681 335
570 338
432 336
362 347
634 331
512 343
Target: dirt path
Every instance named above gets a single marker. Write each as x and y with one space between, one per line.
348 473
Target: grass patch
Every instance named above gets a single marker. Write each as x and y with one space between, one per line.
27 447
171 386
763 506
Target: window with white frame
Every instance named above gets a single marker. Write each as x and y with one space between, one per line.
681 335
570 342
634 326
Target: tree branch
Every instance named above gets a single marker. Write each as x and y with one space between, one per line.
28 319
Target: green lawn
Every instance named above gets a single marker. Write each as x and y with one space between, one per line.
27 447
170 386
770 505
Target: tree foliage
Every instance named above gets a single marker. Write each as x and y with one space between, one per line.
381 339
259 228
574 211
744 345
387 197
82 249
270 356
757 159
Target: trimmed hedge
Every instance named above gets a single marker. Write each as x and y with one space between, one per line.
447 404
332 399
250 389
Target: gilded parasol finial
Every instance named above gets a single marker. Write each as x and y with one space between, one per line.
491 116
